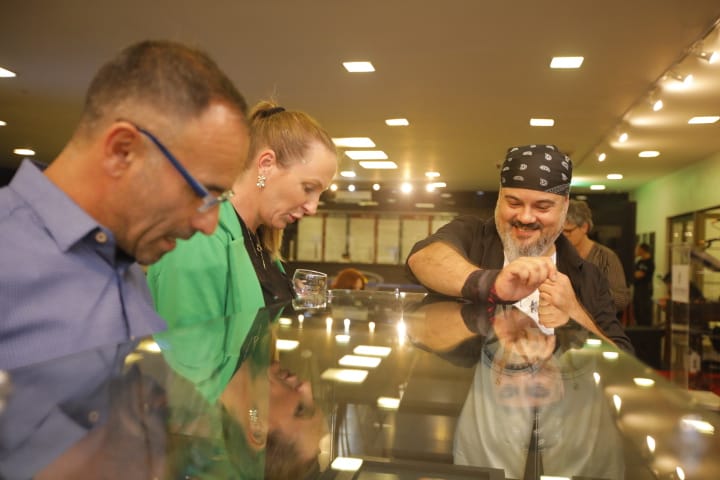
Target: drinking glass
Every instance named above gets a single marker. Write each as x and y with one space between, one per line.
310 289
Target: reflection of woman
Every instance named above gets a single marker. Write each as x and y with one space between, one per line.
291 160
349 279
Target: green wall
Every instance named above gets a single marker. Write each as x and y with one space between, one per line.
694 188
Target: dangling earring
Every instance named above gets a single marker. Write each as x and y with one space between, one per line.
257 432
261 181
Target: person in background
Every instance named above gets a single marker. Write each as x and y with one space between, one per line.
237 270
643 285
520 256
160 140
578 224
349 279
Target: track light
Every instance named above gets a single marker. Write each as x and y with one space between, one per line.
710 56
684 79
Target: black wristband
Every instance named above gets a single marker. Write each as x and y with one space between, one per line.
479 287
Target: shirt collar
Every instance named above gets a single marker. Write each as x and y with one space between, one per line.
64 220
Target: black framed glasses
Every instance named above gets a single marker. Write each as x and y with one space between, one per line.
208 199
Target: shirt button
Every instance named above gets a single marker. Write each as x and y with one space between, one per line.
101 237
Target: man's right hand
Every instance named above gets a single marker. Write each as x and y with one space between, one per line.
522 276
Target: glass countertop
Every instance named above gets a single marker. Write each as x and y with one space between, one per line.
376 386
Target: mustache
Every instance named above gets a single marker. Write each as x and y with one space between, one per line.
526 226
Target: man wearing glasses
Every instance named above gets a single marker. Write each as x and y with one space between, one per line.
162 136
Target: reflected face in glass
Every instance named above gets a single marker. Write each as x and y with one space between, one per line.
529 389
293 411
529 221
294 191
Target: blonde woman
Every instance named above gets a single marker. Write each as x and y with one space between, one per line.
291 161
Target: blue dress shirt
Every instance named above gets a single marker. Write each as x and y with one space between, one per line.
64 285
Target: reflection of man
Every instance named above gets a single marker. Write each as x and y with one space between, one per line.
161 138
520 256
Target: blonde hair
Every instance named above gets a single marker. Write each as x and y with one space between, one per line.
289 134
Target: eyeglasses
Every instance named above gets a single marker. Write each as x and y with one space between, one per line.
208 199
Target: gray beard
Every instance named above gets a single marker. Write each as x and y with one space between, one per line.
535 249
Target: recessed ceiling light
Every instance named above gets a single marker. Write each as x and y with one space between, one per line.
358 67
566 62
432 174
601 157
614 176
333 187
354 142
658 105
24 151
367 154
397 122
649 154
348 174
351 188
379 165
406 187
704 120
597 187
542 122
4 73
376 186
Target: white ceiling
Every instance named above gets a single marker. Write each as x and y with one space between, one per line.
468 74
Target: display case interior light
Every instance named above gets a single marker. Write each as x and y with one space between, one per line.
699 425
342 338
286 345
286 321
597 187
397 122
359 361
593 342
378 164
24 151
373 350
610 355
614 176
346 464
388 403
358 67
566 62
354 142
2 124
704 120
643 382
649 154
344 375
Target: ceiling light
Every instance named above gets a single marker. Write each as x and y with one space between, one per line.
372 350
24 151
710 57
623 137
602 156
566 62
597 187
286 345
367 154
542 122
614 176
4 73
432 174
406 187
348 174
359 361
346 464
431 187
2 124
397 122
351 188
358 67
344 375
333 187
704 120
378 165
376 186
657 105
388 403
684 79
649 154
354 142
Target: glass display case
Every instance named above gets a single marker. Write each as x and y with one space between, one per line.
376 386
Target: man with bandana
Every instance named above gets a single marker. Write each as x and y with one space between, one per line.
520 256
